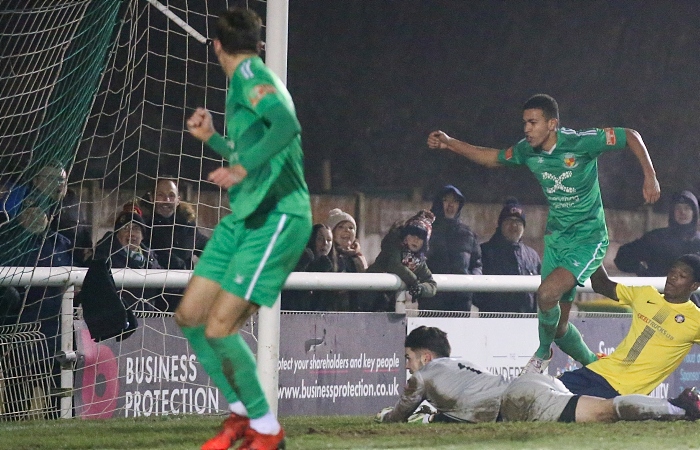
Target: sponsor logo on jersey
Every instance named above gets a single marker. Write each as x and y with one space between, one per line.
558 182
610 138
570 160
509 153
680 318
260 91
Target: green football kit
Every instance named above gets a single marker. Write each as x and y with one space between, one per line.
576 236
270 218
254 249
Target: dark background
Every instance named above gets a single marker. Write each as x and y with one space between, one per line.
372 78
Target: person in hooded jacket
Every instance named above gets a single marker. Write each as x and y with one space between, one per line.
506 254
454 249
653 254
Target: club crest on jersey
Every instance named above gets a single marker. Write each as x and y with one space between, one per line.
260 91
570 160
610 138
680 318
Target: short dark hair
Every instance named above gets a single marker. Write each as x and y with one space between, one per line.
544 102
691 260
238 30
429 338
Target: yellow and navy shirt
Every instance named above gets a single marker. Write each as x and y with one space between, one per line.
660 336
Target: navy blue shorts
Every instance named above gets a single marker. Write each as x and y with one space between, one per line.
584 381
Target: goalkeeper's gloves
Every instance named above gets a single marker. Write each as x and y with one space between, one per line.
424 414
420 418
380 415
416 291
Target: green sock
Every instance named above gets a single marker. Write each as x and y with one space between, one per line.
572 344
238 364
209 361
547 328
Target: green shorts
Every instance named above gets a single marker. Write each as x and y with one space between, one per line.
252 258
581 259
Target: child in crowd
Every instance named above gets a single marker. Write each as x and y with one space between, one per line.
403 252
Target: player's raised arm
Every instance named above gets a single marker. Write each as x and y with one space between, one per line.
651 189
481 155
602 284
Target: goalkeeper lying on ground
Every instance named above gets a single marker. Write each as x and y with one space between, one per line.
461 391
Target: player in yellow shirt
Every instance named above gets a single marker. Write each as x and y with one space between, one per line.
664 328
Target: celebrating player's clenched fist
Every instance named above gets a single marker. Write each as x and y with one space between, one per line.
438 139
200 124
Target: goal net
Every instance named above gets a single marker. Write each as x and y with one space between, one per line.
94 98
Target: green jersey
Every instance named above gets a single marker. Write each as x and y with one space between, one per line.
568 175
264 136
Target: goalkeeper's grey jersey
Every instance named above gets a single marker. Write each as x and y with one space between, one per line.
455 387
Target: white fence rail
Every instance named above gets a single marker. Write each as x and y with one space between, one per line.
64 276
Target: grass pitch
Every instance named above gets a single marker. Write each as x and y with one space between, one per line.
189 432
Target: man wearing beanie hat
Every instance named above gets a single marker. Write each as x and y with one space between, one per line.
125 247
653 253
506 254
454 249
402 253
663 330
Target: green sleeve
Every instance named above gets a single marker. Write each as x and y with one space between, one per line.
513 156
283 128
221 145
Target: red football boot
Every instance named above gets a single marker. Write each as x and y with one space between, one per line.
259 441
232 429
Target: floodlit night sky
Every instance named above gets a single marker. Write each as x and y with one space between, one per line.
371 78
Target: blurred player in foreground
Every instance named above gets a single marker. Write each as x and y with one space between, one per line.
565 164
663 330
461 391
252 250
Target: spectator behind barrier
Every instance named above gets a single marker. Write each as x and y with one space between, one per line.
317 257
454 249
403 253
124 247
345 256
506 254
174 237
654 253
27 241
48 190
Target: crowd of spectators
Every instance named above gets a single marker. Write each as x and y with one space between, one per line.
43 222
